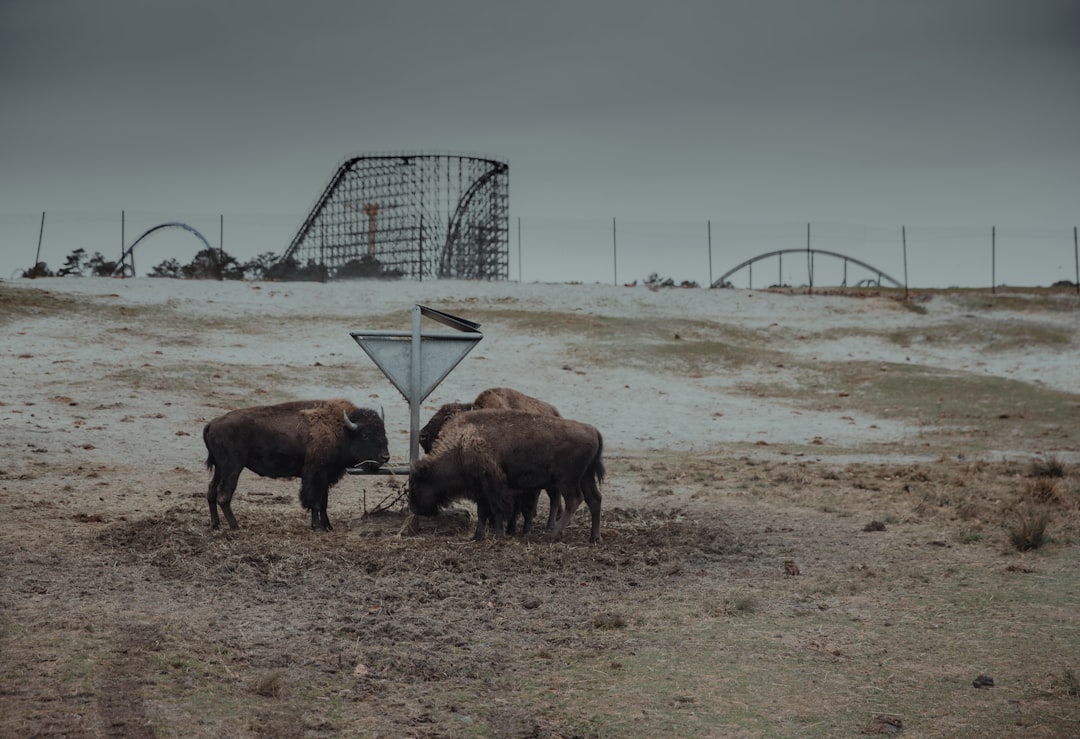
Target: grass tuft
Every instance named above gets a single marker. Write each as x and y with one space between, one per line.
1028 529
1047 467
1043 491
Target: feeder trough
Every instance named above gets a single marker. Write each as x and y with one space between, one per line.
416 362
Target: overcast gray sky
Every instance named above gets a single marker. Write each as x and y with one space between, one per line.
931 113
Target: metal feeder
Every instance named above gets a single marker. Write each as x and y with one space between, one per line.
416 362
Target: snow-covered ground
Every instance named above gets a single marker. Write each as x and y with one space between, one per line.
637 409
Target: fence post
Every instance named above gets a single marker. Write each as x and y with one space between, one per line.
615 255
123 265
519 248
809 261
709 230
993 260
903 239
37 256
1076 258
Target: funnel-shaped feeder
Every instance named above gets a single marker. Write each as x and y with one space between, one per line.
416 362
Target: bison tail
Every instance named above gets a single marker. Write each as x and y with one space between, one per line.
596 468
210 461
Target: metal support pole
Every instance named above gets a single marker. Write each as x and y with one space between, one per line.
809 260
519 248
710 251
1076 257
37 256
415 389
993 260
615 254
903 240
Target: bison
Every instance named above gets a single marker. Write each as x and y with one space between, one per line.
500 397
315 440
493 397
486 455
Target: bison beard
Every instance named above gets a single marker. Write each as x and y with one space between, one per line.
315 440
508 398
486 455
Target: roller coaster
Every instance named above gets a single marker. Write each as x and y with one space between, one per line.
418 215
724 281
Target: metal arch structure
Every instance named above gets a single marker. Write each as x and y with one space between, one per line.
423 215
129 252
881 275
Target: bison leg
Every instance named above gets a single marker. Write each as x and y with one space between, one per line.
495 515
555 508
483 515
219 494
572 503
324 517
211 498
524 503
313 496
319 520
592 499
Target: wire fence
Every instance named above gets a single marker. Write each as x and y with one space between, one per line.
611 250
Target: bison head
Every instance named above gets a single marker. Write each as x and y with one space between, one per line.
365 438
431 430
425 496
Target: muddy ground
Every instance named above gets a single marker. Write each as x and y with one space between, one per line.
747 590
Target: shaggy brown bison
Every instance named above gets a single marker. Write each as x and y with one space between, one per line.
493 397
315 440
501 397
486 455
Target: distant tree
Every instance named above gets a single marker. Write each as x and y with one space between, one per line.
655 281
74 265
257 268
168 268
99 266
41 269
212 264
280 270
289 270
366 266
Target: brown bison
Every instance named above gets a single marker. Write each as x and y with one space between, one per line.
500 397
315 440
486 455
493 397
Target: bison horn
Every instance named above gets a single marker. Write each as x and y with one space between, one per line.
348 423
382 413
